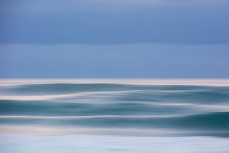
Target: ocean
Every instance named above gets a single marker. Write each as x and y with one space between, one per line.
114 115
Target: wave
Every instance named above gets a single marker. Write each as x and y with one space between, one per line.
180 107
10 107
65 88
180 94
149 92
218 121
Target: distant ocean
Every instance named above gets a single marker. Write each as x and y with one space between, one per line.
114 115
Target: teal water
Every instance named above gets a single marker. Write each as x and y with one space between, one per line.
116 110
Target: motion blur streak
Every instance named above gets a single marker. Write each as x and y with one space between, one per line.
184 116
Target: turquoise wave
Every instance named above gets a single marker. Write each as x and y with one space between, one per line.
197 109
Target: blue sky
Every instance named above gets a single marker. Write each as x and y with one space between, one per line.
115 38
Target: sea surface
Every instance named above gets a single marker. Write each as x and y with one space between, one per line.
114 115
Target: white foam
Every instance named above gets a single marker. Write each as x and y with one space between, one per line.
204 82
89 116
59 96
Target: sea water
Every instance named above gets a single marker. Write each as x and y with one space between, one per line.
114 115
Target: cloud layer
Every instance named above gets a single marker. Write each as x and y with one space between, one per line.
114 22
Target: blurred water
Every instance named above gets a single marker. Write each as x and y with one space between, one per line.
109 144
181 118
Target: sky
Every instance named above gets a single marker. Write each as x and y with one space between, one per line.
114 38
